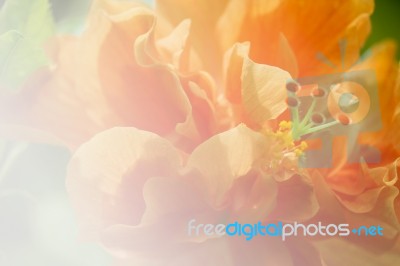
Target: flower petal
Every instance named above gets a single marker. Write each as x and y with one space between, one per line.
107 174
263 91
226 157
310 28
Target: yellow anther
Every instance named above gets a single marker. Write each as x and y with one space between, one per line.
286 138
298 152
282 145
303 145
285 125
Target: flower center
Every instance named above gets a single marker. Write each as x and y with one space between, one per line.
312 121
283 146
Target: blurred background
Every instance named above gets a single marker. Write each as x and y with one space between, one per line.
37 224
385 22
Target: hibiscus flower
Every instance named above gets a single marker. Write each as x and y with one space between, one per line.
183 112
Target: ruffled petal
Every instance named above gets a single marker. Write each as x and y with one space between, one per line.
226 157
106 176
257 91
310 27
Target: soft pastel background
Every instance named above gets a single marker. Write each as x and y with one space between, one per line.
37 225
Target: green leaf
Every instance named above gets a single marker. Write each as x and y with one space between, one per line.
32 18
25 26
19 57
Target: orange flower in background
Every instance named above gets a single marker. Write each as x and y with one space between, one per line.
288 34
181 113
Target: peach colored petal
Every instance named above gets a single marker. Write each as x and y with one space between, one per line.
296 200
237 13
384 212
174 46
233 65
263 91
372 207
349 180
132 196
257 92
252 198
179 199
171 202
70 102
115 75
201 122
107 174
204 16
227 157
198 89
362 203
384 175
330 209
162 99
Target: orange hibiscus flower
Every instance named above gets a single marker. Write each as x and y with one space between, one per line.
181 113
